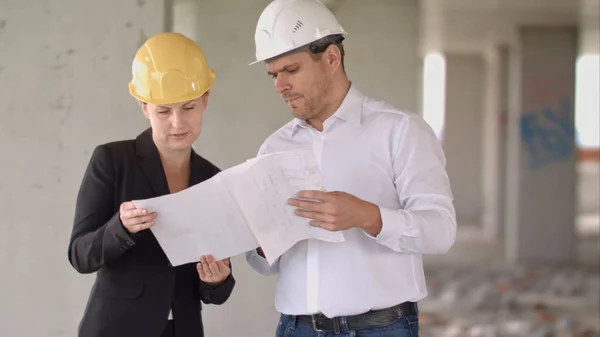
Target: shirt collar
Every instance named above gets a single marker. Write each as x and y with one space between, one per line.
350 110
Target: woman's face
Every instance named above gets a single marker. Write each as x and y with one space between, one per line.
176 126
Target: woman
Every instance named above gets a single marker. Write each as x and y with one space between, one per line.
137 292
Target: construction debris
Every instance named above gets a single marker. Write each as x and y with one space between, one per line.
517 302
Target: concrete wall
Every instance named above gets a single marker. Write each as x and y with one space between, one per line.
463 133
68 72
63 88
588 193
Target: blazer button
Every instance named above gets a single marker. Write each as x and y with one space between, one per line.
169 264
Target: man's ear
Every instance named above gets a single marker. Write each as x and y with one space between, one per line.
144 107
333 56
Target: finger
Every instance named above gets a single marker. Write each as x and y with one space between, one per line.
139 220
142 218
212 264
307 204
214 268
322 224
141 215
140 227
314 215
127 206
206 258
313 194
223 267
206 267
200 270
133 213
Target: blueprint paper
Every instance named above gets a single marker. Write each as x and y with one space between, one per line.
238 210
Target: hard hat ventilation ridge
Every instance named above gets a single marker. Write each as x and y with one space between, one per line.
299 25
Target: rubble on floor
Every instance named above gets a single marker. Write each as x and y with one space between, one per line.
518 302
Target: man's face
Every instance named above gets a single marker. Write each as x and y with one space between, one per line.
176 126
302 81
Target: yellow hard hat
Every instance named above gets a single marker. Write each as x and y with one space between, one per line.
170 68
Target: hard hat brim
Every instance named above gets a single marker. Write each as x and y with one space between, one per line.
301 48
184 98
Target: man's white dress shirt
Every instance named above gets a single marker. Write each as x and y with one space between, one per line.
384 156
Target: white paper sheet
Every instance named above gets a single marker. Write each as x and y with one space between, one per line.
263 193
239 209
200 220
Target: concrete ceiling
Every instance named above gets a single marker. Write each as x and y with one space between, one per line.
474 25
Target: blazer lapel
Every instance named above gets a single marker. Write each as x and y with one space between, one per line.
200 169
150 163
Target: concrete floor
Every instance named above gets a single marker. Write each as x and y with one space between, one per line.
473 293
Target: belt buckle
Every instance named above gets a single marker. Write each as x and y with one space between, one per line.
314 323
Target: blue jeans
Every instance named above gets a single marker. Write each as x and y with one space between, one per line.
407 326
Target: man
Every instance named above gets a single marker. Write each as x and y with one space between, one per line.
385 183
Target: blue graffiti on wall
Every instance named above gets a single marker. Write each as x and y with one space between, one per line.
549 134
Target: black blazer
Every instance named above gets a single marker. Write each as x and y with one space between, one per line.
135 285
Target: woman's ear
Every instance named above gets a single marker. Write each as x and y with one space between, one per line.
144 107
205 97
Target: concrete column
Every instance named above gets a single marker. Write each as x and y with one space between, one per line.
491 139
184 18
494 141
502 146
383 50
541 159
463 133
64 69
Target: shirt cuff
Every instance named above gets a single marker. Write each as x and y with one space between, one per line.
259 263
393 227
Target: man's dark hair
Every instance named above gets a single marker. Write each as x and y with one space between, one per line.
318 47
321 45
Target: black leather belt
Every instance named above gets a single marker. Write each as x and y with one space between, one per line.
370 319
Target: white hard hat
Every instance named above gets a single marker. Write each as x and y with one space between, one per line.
285 25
